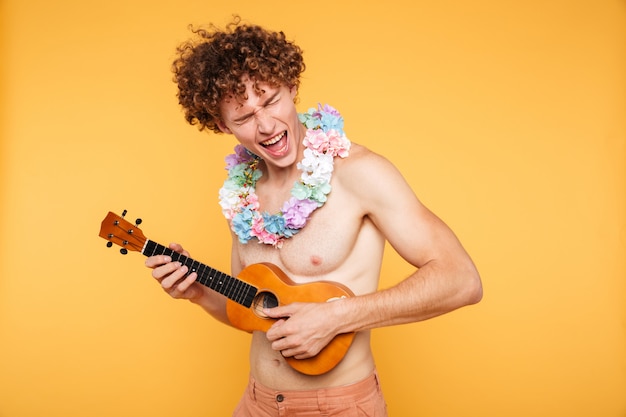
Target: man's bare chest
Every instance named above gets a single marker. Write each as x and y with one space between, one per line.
319 249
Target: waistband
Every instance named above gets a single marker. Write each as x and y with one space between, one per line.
345 392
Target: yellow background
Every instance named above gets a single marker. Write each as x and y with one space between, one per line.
507 118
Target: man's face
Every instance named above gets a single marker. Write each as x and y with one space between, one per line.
265 123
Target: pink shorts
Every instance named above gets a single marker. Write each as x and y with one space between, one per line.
364 398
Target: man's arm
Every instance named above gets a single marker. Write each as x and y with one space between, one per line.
445 278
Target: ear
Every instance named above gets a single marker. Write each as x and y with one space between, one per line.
222 126
293 91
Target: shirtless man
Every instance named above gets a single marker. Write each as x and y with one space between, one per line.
244 81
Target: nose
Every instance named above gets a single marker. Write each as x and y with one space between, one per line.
265 122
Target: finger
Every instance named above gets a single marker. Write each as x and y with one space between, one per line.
185 284
165 270
170 280
184 289
281 346
303 356
276 332
158 260
176 247
278 312
298 352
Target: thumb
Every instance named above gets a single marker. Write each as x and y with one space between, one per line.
277 312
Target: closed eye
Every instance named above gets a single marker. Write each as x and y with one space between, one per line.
243 120
272 100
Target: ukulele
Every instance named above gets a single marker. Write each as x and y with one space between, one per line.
257 286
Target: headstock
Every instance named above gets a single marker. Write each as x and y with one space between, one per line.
119 231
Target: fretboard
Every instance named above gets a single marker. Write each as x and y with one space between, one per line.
233 288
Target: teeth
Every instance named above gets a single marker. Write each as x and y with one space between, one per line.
273 140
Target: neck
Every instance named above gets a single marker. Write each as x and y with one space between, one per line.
280 177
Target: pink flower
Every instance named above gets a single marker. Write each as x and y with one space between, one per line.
316 140
252 201
338 145
258 230
327 142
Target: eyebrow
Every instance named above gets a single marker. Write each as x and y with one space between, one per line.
250 114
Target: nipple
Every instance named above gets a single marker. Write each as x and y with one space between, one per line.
316 260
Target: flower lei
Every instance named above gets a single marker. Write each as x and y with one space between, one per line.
323 141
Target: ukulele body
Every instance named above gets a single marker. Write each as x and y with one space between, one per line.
274 289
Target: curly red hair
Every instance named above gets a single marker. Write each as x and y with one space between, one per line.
212 67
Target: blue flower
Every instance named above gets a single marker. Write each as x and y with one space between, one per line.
241 225
332 121
274 223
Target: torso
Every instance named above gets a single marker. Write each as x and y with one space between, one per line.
341 244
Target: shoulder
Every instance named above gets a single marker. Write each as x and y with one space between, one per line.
362 162
368 174
387 199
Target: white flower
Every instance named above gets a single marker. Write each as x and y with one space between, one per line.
230 196
316 168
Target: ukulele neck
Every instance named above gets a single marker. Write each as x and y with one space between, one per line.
231 287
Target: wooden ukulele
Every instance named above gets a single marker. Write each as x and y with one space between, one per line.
258 286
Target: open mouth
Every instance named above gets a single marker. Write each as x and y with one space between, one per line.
276 144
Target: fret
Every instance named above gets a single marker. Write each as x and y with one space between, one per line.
202 270
194 266
223 285
204 277
238 291
229 287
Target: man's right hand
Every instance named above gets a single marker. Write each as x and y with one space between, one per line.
171 275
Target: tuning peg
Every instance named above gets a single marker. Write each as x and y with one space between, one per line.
138 222
109 244
124 213
123 251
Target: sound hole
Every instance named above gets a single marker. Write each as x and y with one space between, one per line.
264 300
